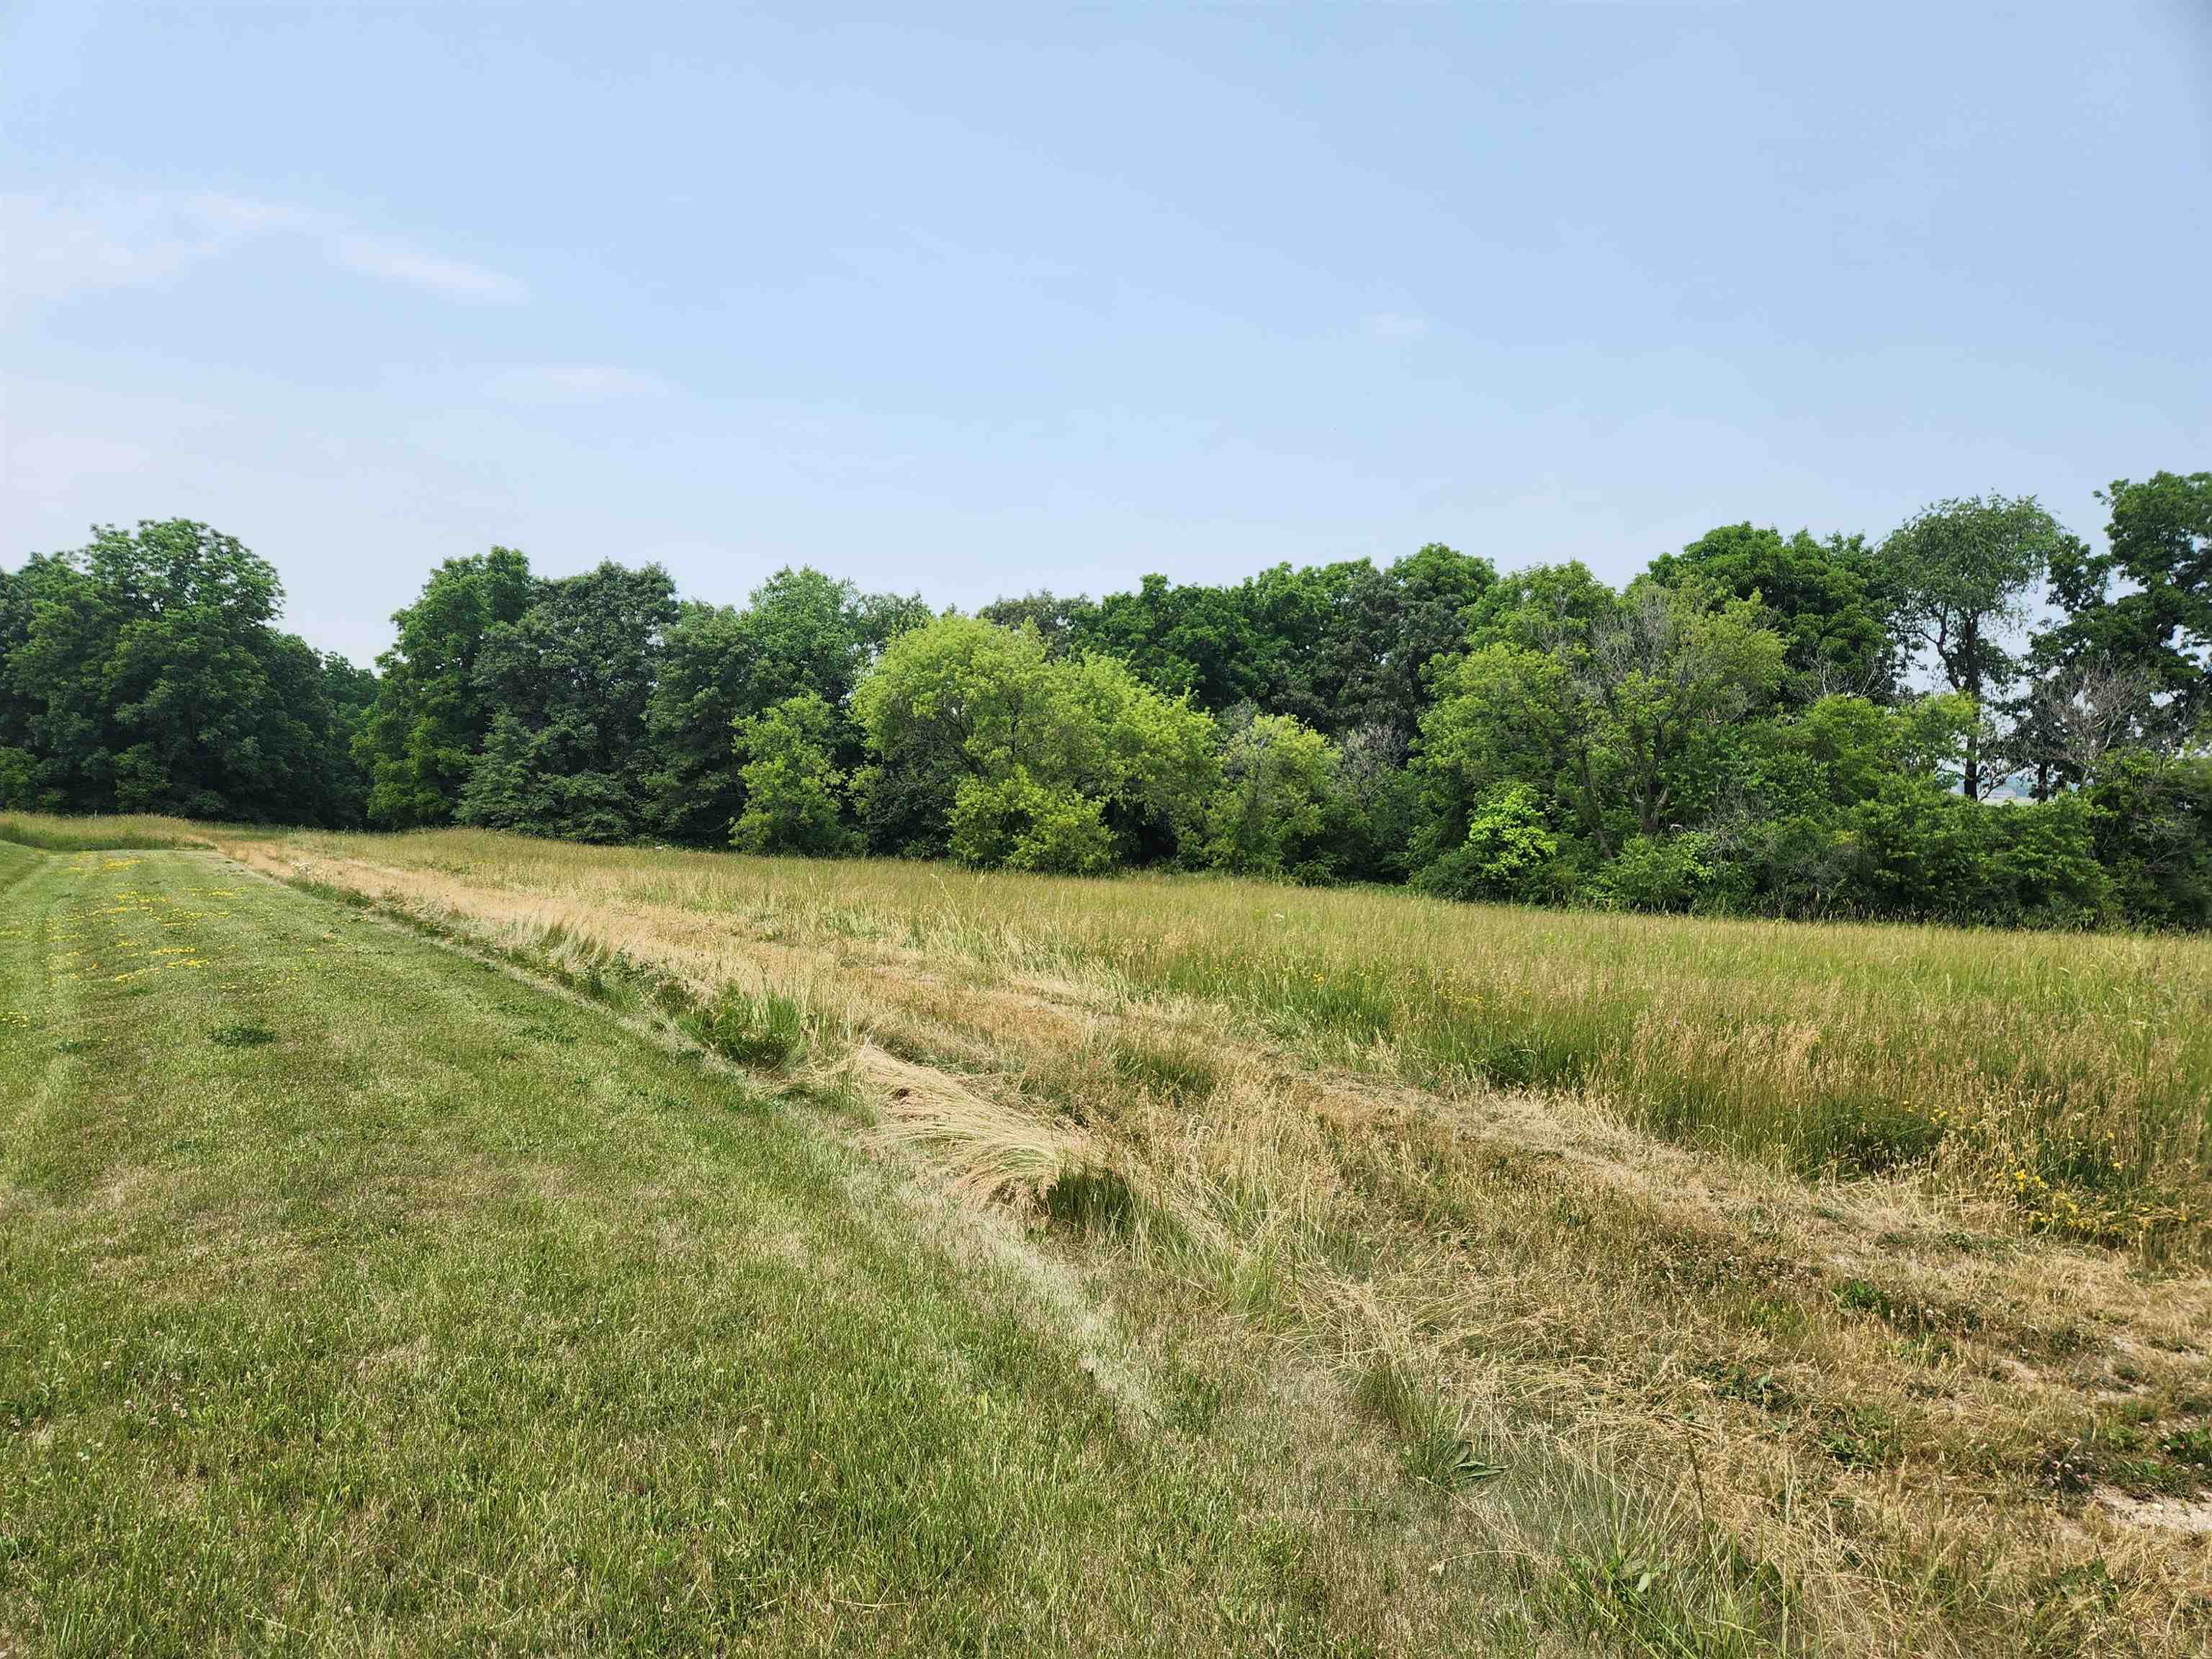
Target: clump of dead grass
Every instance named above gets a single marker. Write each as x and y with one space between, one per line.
986 1149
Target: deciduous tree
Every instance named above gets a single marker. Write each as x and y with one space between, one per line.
421 740
793 788
570 680
1961 575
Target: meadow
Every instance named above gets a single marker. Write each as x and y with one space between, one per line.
452 1241
2066 1079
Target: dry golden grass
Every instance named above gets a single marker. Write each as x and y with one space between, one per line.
1639 1332
2066 1077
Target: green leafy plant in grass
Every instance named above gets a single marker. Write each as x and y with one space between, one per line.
1433 1444
1733 1380
1863 1438
1637 1601
2192 1446
245 1034
767 1033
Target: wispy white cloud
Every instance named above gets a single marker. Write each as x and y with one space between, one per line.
1396 325
561 384
396 262
54 248
51 249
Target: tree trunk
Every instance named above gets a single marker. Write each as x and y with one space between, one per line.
1970 653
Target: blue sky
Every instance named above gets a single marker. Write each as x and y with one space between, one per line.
1041 296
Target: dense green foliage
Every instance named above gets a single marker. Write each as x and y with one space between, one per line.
986 746
431 717
1747 726
792 787
570 682
144 673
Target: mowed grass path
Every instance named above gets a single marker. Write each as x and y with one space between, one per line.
355 1297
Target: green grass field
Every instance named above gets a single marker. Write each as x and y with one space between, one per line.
390 1264
362 1298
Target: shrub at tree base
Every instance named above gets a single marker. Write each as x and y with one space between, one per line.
1661 873
1509 853
1019 823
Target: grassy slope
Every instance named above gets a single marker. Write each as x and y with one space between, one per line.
359 1297
1732 1407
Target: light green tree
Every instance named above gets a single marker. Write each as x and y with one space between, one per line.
1508 854
1610 710
1273 812
793 785
983 744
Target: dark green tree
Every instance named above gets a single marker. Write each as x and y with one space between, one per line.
1189 640
570 682
152 678
1062 623
1390 629
2151 823
14 633
692 788
351 691
800 631
1294 618
1825 599
420 742
2142 608
25 721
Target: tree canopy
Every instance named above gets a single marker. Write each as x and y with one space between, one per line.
145 673
1761 722
1960 575
431 717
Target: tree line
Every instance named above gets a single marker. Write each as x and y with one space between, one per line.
1977 719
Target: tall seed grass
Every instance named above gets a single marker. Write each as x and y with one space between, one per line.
122 832
2072 1074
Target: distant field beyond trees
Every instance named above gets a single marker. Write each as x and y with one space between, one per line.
1978 719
